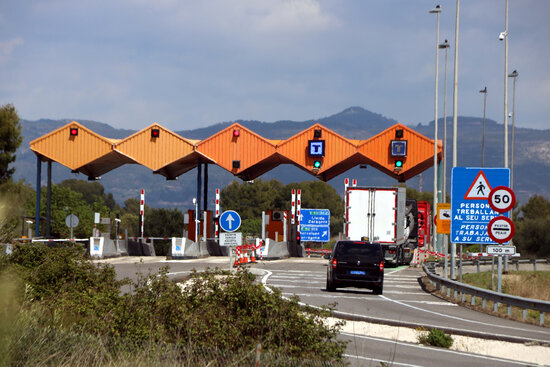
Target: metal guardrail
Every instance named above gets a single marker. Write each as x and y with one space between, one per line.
446 285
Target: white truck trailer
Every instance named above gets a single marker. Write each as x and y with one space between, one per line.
377 214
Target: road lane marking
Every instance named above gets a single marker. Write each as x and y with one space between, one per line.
465 320
269 273
432 349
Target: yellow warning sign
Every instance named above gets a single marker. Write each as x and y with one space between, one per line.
444 218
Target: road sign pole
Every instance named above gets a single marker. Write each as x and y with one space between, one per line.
263 225
499 271
453 261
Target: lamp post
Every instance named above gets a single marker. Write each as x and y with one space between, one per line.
514 74
484 91
436 11
445 45
504 37
455 120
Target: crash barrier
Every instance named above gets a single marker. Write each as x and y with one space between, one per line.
320 252
460 289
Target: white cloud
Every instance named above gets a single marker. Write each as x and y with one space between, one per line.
7 47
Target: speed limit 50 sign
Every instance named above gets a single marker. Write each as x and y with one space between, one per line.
502 199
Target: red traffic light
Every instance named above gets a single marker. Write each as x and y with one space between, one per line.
73 131
155 133
236 133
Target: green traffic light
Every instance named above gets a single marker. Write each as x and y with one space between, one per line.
317 164
399 164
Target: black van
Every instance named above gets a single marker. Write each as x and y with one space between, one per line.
357 264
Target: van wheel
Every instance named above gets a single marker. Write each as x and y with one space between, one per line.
330 287
377 289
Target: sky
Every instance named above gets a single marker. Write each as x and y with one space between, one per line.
187 64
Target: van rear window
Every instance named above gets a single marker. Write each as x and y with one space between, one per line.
357 248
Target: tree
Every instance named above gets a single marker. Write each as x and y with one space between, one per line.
250 199
10 139
91 192
533 227
16 202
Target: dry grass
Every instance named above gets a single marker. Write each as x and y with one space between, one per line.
529 284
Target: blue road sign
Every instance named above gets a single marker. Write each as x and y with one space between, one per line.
230 221
470 209
315 225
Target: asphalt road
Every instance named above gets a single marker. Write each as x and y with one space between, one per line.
403 300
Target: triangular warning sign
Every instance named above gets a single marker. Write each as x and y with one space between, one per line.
479 189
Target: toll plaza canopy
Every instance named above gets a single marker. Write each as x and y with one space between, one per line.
316 150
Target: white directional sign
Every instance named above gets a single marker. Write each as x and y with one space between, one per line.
230 221
502 199
231 239
501 250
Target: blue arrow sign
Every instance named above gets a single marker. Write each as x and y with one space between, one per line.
315 225
230 221
470 209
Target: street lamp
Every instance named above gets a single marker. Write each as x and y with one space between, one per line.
445 45
504 37
484 91
437 11
514 74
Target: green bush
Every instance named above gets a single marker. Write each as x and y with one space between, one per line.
67 300
435 337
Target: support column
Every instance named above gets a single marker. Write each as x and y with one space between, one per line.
199 184
49 201
38 180
205 188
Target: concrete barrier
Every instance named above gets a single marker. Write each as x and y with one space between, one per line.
184 248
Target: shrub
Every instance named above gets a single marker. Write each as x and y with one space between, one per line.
64 297
435 337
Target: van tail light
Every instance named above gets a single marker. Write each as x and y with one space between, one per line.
334 263
382 265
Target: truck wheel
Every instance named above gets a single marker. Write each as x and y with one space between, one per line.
377 289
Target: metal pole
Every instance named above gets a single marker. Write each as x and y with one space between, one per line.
445 244
455 120
49 201
514 75
205 188
263 225
445 45
437 11
460 265
38 180
499 285
484 91
506 88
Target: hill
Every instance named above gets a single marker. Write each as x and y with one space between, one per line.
531 173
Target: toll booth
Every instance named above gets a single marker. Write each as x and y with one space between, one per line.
275 228
190 226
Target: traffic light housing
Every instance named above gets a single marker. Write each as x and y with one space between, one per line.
73 131
317 164
298 238
398 166
155 133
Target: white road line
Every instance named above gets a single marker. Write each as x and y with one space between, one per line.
463 319
428 349
365 298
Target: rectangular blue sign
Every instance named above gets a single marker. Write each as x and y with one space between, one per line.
315 225
470 209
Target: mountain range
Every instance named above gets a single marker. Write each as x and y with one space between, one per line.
531 156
